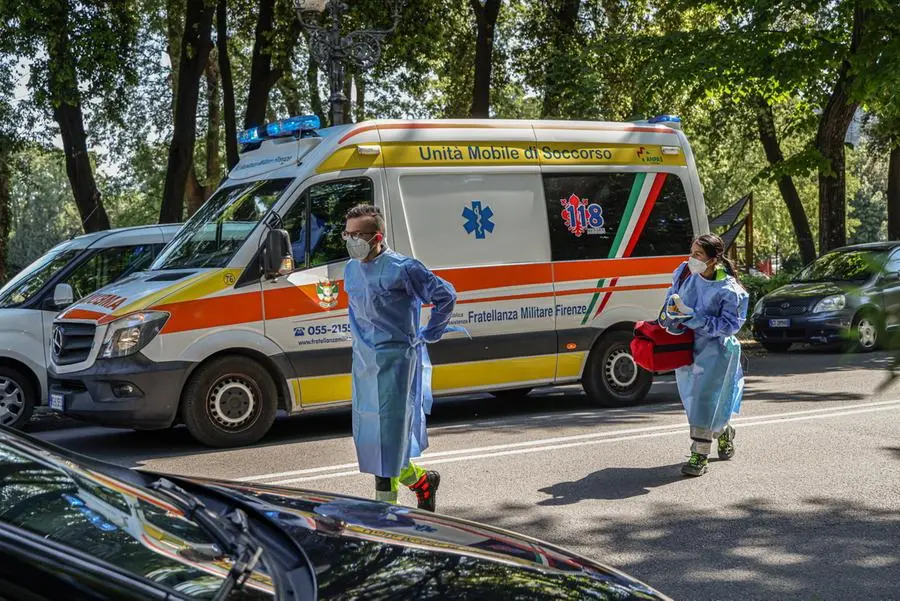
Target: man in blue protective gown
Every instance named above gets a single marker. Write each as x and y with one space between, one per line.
391 371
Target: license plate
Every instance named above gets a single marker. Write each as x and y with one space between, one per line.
57 401
779 323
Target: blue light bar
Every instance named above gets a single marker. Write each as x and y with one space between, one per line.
253 135
664 119
292 125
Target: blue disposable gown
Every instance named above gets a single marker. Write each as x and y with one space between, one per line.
391 371
712 387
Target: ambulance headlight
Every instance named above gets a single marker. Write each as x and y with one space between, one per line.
131 333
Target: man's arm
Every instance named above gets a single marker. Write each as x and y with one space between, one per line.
431 289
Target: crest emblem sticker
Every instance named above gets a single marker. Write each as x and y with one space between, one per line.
327 291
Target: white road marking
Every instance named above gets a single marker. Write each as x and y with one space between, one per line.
565 442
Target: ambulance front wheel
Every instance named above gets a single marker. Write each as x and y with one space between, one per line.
229 402
611 377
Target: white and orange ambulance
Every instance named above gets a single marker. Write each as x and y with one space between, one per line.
558 236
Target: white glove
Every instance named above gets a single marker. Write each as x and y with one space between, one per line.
676 309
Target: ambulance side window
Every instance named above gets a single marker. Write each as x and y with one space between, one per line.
669 230
318 217
328 206
585 211
605 215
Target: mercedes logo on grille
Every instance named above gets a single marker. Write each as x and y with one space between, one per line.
58 338
785 305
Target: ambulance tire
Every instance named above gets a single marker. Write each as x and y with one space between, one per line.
229 402
611 378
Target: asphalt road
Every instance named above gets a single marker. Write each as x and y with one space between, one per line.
808 509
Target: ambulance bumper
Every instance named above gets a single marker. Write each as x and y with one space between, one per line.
132 392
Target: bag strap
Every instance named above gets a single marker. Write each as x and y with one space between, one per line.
685 274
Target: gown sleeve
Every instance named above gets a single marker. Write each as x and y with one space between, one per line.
431 289
731 317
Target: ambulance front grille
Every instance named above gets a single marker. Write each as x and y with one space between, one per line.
72 342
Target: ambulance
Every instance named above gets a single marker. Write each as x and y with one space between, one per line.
557 235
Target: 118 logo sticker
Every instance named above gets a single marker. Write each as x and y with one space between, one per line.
582 216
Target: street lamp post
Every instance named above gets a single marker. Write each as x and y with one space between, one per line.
330 49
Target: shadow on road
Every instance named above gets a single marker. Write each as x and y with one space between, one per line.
753 391
533 415
612 483
821 549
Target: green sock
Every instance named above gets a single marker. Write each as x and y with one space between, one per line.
411 474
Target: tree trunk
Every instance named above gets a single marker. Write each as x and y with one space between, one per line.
231 148
66 101
360 98
833 124
312 81
564 35
174 31
263 75
4 207
485 19
893 194
765 120
260 66
288 88
195 48
213 132
194 192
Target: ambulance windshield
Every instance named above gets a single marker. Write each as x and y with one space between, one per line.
215 232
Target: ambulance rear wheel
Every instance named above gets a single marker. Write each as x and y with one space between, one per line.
611 377
229 402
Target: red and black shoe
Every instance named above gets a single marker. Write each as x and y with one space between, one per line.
425 490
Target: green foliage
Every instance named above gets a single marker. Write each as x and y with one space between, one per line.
757 287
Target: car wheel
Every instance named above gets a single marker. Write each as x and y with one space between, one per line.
17 398
776 347
229 402
866 333
516 394
611 377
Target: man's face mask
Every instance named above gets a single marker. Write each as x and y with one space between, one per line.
357 246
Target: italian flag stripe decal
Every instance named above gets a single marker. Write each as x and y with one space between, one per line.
644 193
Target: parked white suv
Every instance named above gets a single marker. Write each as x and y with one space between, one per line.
30 301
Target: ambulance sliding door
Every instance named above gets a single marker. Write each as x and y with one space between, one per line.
619 225
484 229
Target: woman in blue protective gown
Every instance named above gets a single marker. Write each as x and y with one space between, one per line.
712 303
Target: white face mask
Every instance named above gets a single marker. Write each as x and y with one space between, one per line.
358 249
696 265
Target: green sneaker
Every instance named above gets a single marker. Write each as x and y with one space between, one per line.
726 443
696 465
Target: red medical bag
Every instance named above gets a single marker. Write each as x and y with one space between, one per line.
654 349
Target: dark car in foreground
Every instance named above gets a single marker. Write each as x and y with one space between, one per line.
75 528
849 296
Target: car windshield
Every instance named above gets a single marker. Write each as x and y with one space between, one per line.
212 236
117 523
843 266
33 278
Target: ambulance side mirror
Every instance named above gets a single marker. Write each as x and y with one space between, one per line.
277 257
63 296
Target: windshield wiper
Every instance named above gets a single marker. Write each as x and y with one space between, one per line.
232 531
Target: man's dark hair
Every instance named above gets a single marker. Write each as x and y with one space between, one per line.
370 211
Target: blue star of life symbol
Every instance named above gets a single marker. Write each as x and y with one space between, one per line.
478 219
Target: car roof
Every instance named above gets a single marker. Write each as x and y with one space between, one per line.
142 234
890 245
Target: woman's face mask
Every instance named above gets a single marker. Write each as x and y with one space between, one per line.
697 266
